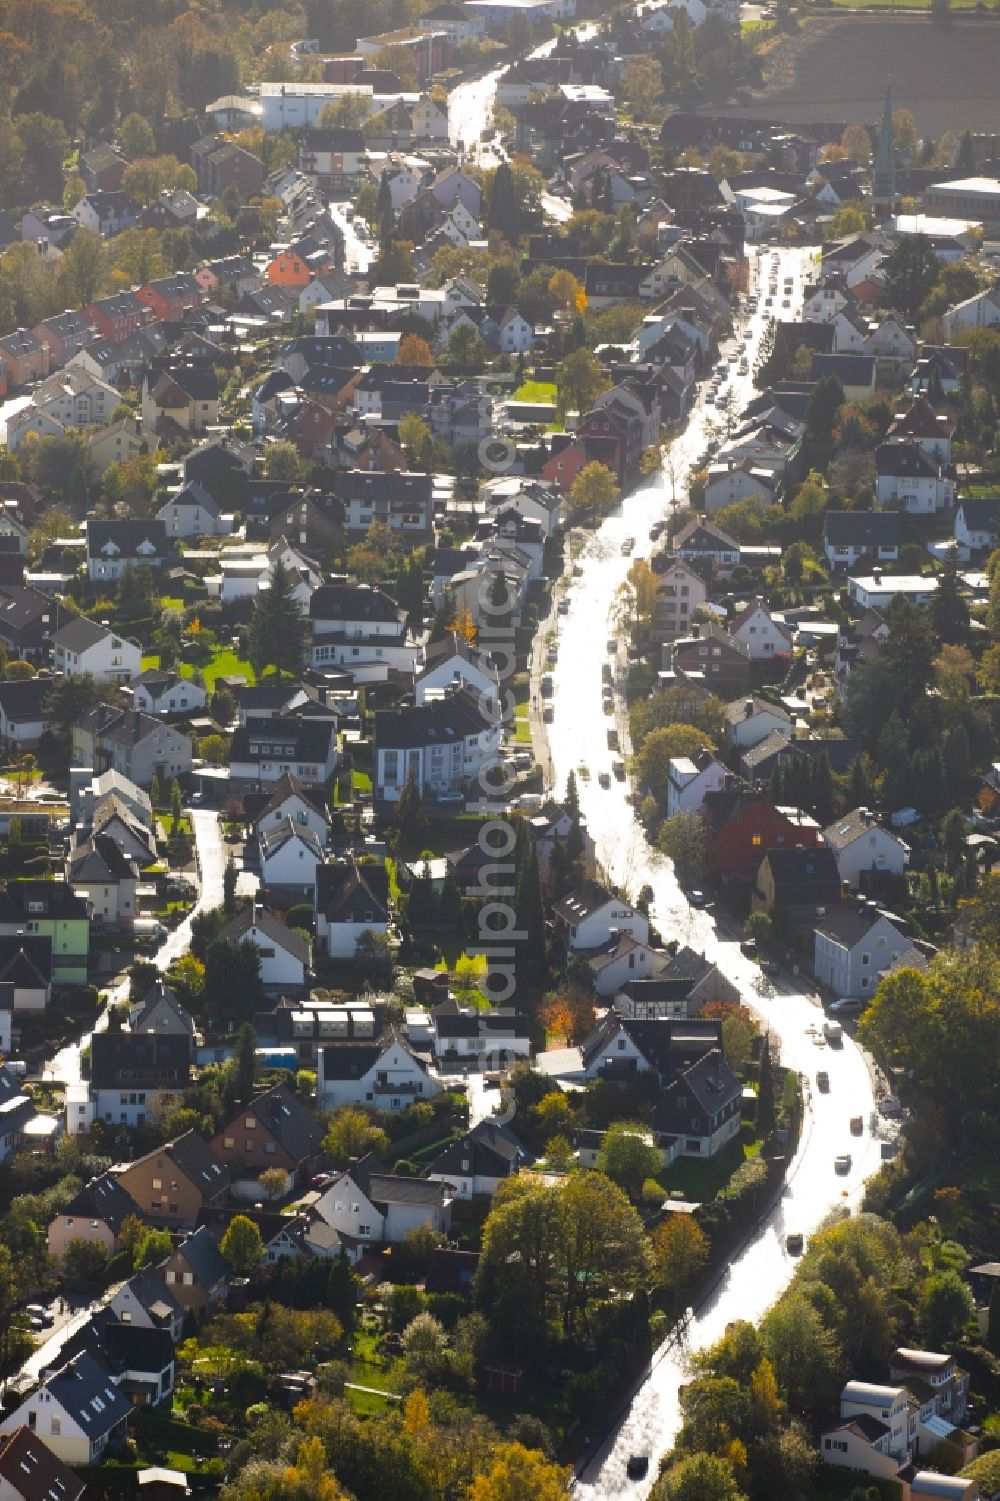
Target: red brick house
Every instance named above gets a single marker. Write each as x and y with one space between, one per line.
742 824
274 1130
119 316
311 428
172 296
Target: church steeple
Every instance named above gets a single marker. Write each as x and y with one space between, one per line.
884 176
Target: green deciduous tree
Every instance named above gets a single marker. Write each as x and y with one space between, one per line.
628 1156
352 1133
594 491
242 1245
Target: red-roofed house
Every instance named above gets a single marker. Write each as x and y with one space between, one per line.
742 824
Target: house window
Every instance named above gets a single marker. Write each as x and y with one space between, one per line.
364 1229
157 1182
269 1148
756 840
189 1279
692 1144
228 1141
55 1426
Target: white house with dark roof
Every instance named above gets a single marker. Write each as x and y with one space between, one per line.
691 778
750 719
366 1204
977 523
78 1411
862 846
451 661
589 915
158 692
289 856
85 646
264 750
764 637
17 1109
113 546
383 1072
623 958
291 799
285 956
193 512
850 536
700 1107
908 478
465 1032
352 904
482 1159
443 743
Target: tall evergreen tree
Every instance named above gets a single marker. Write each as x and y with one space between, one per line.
821 790
504 214
244 1063
765 1091
278 627
410 819
229 878
860 786
528 904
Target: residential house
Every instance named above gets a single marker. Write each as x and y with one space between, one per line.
105 214
49 909
850 537
289 798
750 720
907 478
617 1049
798 881
369 1206
497 1037
877 590
452 660
361 1069
160 1014
140 1361
17 1109
622 959
103 168
170 297
680 593
146 1302
133 743
588 916
78 1412
730 482
193 512
289 856
113 546
196 1273
265 750
705 545
136 1078
863 848
982 310
29 1471
683 986
935 1378
766 639
158 692
23 713
175 1181
977 522
114 820
180 394
115 443
352 907
855 944
105 878
403 502
220 163
444 744
65 335
95 1214
25 963
24 358
118 316
691 778
921 424
274 1130
741 823
700 1107
285 956
542 503
482 1159
711 657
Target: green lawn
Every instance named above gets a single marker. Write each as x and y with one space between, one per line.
701 1181
522 728
536 390
361 781
223 663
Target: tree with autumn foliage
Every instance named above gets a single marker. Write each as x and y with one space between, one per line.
464 627
519 1474
413 350
680 1249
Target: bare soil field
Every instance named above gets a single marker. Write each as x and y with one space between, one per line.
836 68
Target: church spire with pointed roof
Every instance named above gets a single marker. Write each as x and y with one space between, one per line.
884 176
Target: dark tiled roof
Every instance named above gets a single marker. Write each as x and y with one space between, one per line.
133 1060
278 932
30 1469
288 1121
105 1199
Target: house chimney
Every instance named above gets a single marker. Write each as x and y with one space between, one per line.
696 631
748 709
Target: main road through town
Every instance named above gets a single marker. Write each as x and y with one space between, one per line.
577 738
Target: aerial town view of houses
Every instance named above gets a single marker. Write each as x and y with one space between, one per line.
499 750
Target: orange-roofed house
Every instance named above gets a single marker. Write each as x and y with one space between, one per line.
287 269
